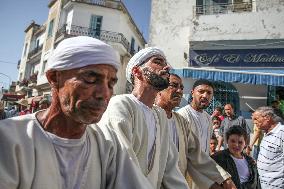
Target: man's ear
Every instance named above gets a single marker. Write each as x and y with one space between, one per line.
52 77
137 72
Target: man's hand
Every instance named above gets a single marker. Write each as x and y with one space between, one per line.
229 184
215 186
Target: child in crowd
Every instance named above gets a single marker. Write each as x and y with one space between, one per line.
218 111
216 125
241 166
213 144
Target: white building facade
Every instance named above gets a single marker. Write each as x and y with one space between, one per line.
107 20
238 44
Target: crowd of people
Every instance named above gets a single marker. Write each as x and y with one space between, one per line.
88 138
21 107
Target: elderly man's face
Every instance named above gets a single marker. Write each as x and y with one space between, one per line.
84 93
173 94
156 72
229 111
261 121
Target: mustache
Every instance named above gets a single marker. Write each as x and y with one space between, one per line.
94 104
164 72
204 100
177 95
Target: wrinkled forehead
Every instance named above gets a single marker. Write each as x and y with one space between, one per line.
203 87
228 107
91 67
98 70
175 79
256 114
156 57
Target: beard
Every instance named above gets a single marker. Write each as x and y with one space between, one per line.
201 106
156 80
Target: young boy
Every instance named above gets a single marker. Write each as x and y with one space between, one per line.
213 144
241 166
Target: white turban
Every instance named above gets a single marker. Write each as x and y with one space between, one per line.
139 58
81 51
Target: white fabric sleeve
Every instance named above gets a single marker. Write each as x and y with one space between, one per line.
173 178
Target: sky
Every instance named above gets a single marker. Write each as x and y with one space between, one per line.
16 15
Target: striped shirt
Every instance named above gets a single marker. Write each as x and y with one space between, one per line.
270 162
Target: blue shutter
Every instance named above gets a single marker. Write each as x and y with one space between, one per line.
50 28
95 26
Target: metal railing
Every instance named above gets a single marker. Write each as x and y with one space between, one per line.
99 34
109 4
223 8
34 51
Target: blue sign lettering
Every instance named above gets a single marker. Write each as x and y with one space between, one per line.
237 58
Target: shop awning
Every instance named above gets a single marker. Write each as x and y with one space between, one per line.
272 77
12 97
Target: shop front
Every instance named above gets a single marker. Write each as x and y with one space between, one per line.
248 78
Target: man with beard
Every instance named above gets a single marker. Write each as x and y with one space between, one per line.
202 93
231 120
192 160
56 147
142 126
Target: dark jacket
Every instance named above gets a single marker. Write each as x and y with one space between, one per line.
2 115
224 159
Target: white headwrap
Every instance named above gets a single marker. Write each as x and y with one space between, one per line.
139 58
81 51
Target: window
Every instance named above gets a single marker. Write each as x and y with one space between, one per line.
37 43
21 76
95 26
50 28
132 45
43 67
222 6
25 49
32 71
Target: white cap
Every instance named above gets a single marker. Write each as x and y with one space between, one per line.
139 58
81 51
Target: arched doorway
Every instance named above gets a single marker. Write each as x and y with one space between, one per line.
224 93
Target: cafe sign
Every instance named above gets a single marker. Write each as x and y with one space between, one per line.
237 58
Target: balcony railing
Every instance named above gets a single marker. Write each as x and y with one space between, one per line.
108 4
223 8
23 82
35 51
99 34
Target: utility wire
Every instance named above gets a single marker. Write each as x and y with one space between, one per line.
7 62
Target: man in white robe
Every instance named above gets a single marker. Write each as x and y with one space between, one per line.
57 148
142 126
202 93
198 118
204 171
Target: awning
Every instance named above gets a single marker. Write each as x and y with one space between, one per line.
12 97
256 76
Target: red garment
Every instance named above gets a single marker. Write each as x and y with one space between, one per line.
221 117
24 112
